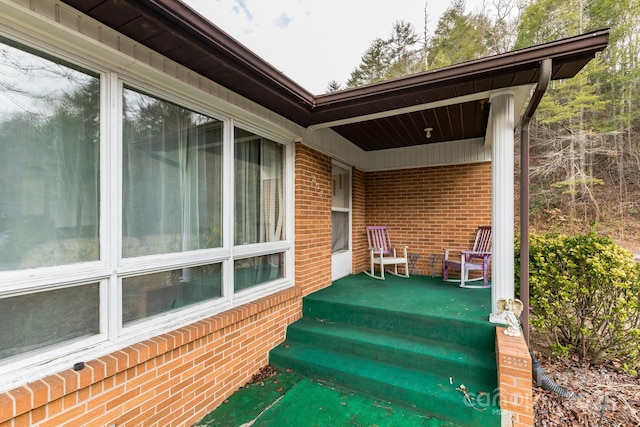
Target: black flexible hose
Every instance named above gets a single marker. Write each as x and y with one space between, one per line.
542 380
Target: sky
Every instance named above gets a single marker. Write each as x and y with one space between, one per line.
316 41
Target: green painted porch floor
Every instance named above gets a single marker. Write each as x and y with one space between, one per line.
415 295
421 319
288 399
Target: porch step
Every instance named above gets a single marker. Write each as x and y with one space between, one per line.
451 360
452 329
387 350
419 389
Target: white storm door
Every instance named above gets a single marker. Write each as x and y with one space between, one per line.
341 221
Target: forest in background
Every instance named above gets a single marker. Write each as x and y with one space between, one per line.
585 156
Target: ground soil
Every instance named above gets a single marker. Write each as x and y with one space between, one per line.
606 396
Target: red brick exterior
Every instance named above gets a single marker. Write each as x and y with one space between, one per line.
313 220
514 379
173 379
428 209
178 377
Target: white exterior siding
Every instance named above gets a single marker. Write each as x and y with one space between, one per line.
447 153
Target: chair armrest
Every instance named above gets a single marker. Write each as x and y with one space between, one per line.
404 250
469 255
448 251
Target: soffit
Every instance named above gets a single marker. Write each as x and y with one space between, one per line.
390 114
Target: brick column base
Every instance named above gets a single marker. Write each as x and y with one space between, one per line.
515 380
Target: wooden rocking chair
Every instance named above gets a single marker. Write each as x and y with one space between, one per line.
383 253
476 259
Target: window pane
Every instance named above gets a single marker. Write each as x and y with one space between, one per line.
254 271
144 296
49 156
341 187
172 178
31 322
259 192
339 231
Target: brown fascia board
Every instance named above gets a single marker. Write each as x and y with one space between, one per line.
188 23
202 29
583 46
191 21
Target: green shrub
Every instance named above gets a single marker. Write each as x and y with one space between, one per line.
584 292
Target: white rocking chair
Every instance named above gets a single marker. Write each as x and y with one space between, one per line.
383 253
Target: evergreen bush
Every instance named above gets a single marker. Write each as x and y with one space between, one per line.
585 297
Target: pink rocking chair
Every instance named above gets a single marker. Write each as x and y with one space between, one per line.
477 259
383 253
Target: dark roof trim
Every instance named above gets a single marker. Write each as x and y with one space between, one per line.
175 30
190 20
198 26
179 14
525 62
586 44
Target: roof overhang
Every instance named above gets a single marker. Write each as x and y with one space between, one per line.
454 101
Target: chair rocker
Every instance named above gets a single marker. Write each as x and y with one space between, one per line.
383 253
476 259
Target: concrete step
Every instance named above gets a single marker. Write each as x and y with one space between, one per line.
430 393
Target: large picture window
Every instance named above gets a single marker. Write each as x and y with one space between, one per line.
172 177
126 210
49 155
259 192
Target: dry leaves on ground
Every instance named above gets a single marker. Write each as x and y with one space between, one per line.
264 373
607 397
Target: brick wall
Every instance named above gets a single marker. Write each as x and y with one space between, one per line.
172 379
514 380
360 258
429 209
178 377
312 219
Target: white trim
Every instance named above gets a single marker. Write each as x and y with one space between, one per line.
290 203
112 208
259 249
255 292
520 95
429 155
502 214
228 214
405 110
341 257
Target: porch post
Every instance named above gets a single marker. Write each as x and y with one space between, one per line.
502 122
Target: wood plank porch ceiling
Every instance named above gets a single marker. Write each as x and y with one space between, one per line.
390 114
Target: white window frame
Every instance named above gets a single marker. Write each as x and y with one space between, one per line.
115 70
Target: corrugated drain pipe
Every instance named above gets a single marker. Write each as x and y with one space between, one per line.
539 376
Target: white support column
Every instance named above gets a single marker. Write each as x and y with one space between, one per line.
502 123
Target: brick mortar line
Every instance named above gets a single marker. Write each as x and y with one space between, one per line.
21 399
